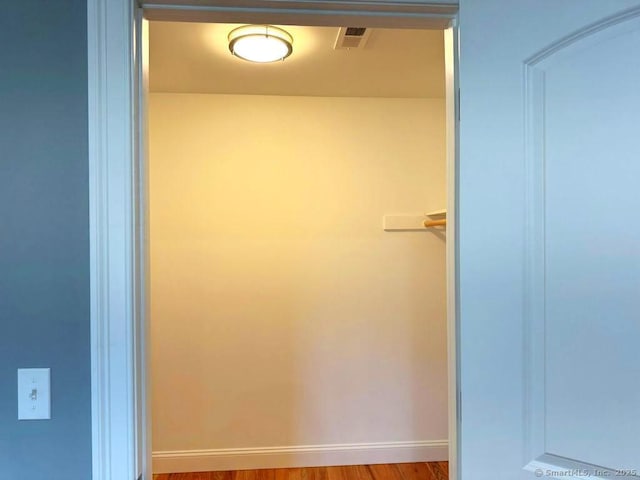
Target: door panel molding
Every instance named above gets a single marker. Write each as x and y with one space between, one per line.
536 362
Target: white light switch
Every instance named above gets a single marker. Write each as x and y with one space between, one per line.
34 394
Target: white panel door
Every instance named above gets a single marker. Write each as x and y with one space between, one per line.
550 239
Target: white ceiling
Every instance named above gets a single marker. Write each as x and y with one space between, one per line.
195 58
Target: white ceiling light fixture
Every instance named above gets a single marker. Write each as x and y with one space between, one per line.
260 43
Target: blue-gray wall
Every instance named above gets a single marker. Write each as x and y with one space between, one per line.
44 228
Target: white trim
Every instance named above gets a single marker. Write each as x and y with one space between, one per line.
356 13
452 129
299 456
141 249
111 216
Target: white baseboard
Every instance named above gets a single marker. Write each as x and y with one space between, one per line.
299 456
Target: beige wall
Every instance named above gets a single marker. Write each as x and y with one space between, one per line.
281 312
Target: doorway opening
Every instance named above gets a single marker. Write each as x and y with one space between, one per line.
118 94
298 303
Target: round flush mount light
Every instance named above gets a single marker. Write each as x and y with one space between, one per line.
260 43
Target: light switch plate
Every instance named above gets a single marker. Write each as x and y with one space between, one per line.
34 393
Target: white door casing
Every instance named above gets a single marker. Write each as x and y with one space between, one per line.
549 245
113 210
117 192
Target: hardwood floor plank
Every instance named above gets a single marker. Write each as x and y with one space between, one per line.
314 473
358 472
335 473
200 476
266 474
349 472
385 471
244 475
289 474
437 471
184 476
389 471
415 471
221 475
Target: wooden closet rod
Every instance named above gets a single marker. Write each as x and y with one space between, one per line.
435 223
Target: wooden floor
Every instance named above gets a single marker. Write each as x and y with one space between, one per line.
395 471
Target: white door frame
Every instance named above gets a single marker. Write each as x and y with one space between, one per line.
117 195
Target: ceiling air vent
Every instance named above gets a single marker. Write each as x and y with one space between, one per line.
352 37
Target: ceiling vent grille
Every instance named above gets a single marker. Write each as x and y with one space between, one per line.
352 37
